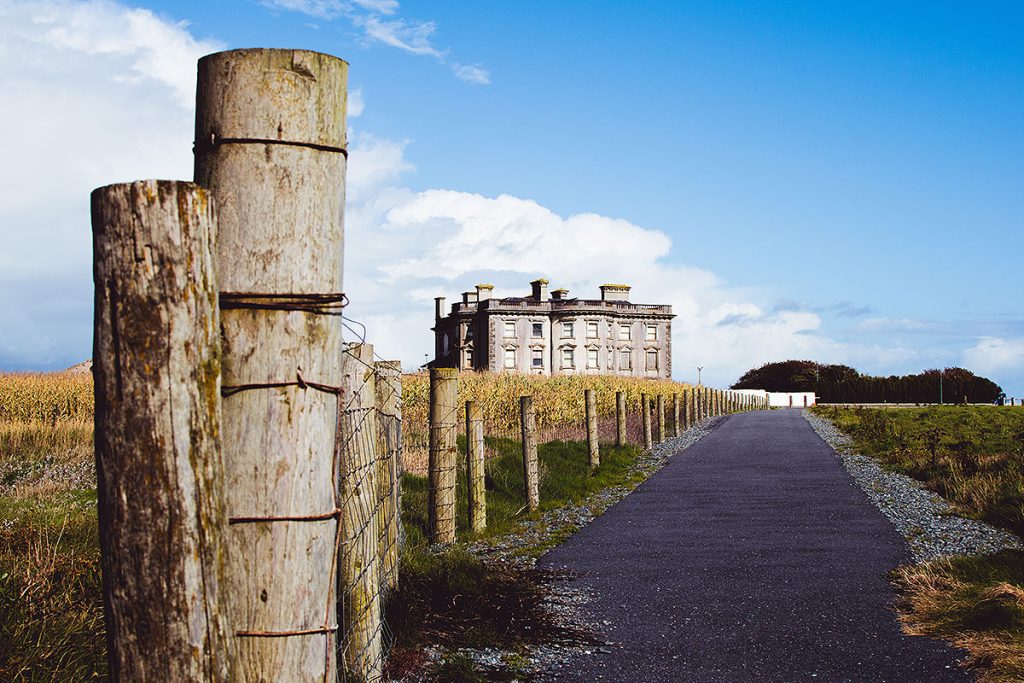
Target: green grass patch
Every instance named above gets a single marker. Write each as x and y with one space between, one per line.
451 598
971 455
974 457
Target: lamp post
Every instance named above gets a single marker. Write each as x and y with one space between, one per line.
699 368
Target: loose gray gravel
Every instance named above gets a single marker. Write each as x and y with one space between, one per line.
926 520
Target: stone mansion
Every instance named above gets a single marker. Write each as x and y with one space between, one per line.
552 335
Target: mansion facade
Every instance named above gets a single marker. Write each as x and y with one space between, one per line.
554 334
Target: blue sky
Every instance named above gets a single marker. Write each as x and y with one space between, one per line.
839 181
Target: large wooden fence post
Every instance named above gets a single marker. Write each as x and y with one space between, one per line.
444 391
676 410
270 145
528 423
645 420
359 488
620 418
160 486
687 410
475 479
591 413
389 429
660 401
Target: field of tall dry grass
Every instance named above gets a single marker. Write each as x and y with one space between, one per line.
51 618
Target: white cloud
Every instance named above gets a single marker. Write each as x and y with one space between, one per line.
891 325
97 93
993 355
379 23
413 246
356 103
472 73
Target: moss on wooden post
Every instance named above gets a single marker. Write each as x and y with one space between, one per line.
159 470
591 414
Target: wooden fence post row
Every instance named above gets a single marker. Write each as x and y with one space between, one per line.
160 472
475 478
444 389
645 420
660 402
528 423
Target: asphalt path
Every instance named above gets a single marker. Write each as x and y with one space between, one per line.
752 555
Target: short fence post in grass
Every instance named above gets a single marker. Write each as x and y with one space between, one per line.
528 422
444 390
270 145
592 447
676 431
620 418
687 412
645 419
359 499
389 430
475 467
661 418
162 515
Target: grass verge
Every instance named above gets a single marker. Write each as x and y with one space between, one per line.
454 600
974 457
976 603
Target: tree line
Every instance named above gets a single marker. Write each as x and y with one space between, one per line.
843 384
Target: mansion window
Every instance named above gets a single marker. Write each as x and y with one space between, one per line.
592 358
510 358
625 360
537 358
567 331
592 329
538 329
510 328
652 333
568 361
625 332
652 360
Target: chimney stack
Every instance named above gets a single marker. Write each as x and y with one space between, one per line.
483 292
614 292
469 297
540 289
438 307
560 294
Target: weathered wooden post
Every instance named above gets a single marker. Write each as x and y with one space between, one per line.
389 429
645 420
676 431
687 410
160 479
528 423
591 412
620 418
444 390
359 498
270 146
660 402
475 480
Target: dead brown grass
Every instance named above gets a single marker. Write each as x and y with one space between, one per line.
975 603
